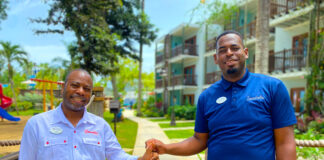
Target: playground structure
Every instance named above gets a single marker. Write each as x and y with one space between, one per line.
44 91
5 103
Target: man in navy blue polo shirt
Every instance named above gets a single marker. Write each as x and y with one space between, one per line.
244 116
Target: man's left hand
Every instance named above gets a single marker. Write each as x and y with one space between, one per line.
149 154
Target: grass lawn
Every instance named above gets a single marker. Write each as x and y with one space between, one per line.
126 130
167 125
180 133
29 112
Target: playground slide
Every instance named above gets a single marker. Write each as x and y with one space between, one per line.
6 102
4 114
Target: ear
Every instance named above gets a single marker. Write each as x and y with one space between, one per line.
215 58
246 53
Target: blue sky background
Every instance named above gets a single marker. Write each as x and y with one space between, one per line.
17 28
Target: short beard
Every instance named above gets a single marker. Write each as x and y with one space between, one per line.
70 107
232 71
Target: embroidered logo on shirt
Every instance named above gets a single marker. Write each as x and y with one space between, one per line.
56 130
221 100
92 132
254 98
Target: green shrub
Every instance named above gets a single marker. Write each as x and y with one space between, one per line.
25 105
31 97
187 112
318 126
149 109
309 152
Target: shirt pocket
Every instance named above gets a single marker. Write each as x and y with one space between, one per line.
95 141
93 147
56 148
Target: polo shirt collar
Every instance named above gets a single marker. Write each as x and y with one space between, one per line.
60 117
242 82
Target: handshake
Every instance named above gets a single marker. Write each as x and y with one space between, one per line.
153 147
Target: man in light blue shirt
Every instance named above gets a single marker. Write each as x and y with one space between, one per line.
70 132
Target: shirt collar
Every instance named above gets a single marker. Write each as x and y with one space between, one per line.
242 82
60 117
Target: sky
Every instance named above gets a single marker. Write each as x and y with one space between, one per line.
18 29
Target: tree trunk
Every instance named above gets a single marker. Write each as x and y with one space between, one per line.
114 85
12 87
311 55
262 37
139 99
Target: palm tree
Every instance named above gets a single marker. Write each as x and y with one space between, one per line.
27 68
12 53
262 37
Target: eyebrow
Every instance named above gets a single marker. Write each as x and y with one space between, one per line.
233 45
75 82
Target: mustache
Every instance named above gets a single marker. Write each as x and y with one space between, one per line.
231 59
78 96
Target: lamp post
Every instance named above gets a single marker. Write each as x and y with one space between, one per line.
173 122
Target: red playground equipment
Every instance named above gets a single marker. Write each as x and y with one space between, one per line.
5 103
44 92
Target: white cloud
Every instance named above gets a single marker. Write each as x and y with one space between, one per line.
19 7
45 54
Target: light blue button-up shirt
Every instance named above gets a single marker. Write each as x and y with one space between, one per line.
50 135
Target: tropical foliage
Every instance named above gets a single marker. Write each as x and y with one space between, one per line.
12 53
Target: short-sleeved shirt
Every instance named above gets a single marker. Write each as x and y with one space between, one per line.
240 117
50 135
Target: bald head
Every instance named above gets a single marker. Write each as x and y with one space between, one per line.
82 71
77 90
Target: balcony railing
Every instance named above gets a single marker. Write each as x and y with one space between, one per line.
158 83
250 29
278 7
159 58
212 77
185 79
211 45
186 49
287 60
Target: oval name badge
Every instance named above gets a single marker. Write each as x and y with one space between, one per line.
221 100
56 130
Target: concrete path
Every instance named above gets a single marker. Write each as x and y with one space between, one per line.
177 121
178 128
147 130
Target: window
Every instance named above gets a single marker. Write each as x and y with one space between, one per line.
189 78
300 43
297 98
188 99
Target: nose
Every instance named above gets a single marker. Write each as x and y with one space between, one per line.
229 52
80 91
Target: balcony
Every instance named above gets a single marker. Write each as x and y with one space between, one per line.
212 77
185 79
250 29
279 7
186 49
158 83
287 60
159 59
211 45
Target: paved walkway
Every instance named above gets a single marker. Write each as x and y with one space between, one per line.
177 128
147 130
178 121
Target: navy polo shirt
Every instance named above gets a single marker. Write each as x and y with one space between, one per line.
240 117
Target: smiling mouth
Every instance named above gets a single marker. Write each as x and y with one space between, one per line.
230 62
78 99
